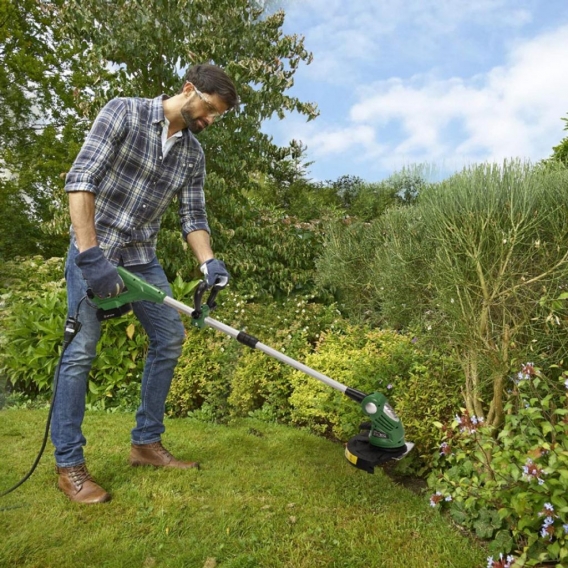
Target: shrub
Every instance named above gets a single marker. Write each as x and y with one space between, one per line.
260 383
356 357
430 393
421 386
33 317
510 487
217 378
268 253
202 376
470 261
32 310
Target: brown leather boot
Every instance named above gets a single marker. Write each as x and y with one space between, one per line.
155 454
77 483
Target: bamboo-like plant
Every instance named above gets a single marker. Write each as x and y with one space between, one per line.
470 263
500 236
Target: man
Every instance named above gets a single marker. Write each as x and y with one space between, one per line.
139 155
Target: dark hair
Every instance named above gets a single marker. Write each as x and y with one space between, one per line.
214 81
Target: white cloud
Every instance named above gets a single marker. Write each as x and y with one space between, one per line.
336 141
513 110
346 33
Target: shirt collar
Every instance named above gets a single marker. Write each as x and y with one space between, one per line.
158 109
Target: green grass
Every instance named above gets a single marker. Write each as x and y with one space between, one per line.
266 496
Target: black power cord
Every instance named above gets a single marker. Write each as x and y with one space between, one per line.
72 327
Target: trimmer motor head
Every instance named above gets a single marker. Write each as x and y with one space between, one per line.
381 439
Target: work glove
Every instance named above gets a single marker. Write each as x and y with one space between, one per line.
101 275
215 273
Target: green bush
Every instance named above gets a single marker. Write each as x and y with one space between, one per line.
30 274
356 357
431 393
423 387
260 383
468 264
268 253
510 487
217 378
32 337
33 316
202 376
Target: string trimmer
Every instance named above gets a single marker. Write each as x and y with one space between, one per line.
380 439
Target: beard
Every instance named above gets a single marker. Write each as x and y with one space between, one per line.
195 125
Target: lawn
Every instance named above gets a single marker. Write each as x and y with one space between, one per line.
266 496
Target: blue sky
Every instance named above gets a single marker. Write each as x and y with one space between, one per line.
440 82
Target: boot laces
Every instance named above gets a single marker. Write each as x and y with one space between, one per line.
79 474
163 450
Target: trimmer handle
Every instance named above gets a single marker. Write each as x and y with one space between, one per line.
135 290
198 298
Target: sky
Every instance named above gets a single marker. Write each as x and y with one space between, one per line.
443 83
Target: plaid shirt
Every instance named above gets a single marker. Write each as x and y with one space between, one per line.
121 163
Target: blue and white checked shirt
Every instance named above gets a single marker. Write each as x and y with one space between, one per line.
121 162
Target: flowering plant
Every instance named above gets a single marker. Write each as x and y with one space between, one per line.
511 486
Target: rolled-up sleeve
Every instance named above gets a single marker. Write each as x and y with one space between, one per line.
192 213
99 149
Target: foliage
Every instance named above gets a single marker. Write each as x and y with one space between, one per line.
31 338
301 199
201 381
494 261
347 188
33 316
349 263
268 254
133 56
272 254
560 152
469 263
26 274
510 487
422 386
71 64
217 378
36 139
429 393
371 200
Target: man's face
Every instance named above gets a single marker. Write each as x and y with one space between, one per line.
201 109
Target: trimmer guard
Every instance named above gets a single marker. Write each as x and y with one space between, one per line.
363 455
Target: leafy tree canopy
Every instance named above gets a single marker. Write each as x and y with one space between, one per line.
62 61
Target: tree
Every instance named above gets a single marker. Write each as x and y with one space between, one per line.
93 50
34 98
148 44
143 48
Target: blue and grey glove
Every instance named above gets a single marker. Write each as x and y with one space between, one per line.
215 273
101 275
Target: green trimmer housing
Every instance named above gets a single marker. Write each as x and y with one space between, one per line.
380 439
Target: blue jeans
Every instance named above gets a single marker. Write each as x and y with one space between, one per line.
166 334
